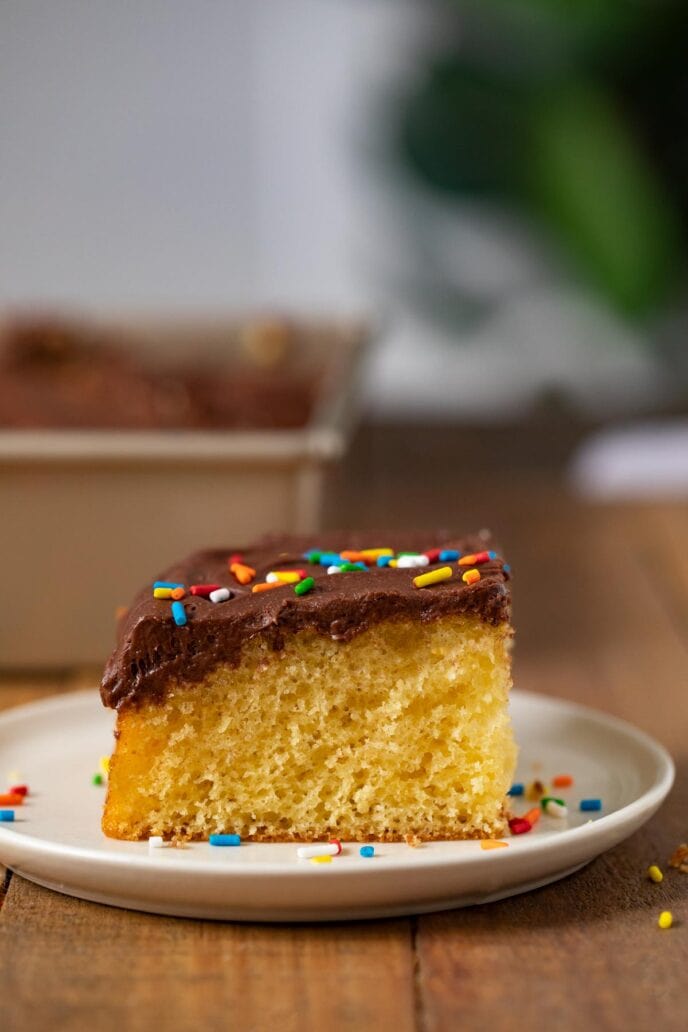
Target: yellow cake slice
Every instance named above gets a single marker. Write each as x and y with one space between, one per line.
333 693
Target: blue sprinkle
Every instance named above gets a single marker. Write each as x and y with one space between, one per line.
506 568
166 584
330 559
367 850
225 840
6 815
491 555
383 560
449 555
178 614
516 789
590 804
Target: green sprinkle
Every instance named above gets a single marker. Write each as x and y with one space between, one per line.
399 554
304 586
313 557
351 567
551 799
97 779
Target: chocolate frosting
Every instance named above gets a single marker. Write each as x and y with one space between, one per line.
70 373
152 650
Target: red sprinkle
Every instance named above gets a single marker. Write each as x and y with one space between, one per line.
481 557
519 825
236 558
337 843
19 789
433 554
11 799
562 781
204 589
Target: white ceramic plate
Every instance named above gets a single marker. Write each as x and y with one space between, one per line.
55 840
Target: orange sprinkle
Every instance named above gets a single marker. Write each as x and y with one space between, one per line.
353 557
533 815
562 781
244 574
11 799
121 612
471 576
467 560
489 843
267 587
178 593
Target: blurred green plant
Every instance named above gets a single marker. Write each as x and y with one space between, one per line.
577 112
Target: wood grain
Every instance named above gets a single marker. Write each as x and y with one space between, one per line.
68 963
602 616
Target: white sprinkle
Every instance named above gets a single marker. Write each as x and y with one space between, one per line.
334 569
220 595
271 578
410 561
555 809
155 842
319 849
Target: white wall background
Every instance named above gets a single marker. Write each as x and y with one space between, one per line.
183 151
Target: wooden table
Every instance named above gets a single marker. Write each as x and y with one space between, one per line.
602 617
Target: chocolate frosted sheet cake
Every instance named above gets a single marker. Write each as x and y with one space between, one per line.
341 690
62 373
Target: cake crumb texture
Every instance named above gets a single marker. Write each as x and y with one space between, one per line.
404 730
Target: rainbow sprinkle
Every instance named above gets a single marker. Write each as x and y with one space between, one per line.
244 574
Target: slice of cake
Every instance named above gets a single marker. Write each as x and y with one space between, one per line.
300 689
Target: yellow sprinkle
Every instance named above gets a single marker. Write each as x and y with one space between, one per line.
536 790
162 592
424 580
104 764
321 859
392 562
666 919
492 844
654 873
376 553
471 576
287 576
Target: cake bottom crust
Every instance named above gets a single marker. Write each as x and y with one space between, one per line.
402 733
